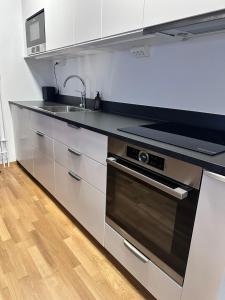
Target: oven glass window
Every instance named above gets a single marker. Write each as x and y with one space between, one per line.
34 31
158 221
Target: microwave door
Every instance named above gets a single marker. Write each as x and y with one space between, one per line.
35 30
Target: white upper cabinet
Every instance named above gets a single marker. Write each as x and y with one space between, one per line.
161 11
121 16
31 7
60 23
88 20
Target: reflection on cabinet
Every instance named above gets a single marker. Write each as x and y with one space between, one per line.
88 20
205 275
23 137
121 16
59 23
161 11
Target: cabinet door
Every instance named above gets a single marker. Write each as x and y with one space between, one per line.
121 16
59 23
161 11
205 275
23 137
44 161
31 7
88 20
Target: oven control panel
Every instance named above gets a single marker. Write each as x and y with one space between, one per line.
146 158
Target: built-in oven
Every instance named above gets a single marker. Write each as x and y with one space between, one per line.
35 33
151 202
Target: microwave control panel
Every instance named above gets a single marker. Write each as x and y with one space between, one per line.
146 158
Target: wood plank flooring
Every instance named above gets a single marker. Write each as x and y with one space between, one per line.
44 254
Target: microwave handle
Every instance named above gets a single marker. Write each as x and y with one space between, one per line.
178 192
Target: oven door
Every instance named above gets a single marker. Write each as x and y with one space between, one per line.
153 213
35 30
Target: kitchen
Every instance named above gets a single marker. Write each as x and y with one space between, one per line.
126 201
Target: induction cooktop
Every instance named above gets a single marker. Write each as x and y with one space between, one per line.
203 140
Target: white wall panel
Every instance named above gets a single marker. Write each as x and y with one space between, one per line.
187 75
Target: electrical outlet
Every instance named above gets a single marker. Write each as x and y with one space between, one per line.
139 52
59 62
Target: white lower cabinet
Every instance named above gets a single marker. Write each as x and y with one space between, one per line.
83 201
205 274
149 275
23 137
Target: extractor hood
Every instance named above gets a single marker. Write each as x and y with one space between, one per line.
188 27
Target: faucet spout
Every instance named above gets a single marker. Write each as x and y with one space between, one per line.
83 92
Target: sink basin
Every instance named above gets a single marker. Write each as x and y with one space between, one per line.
62 108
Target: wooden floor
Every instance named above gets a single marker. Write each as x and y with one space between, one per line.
46 255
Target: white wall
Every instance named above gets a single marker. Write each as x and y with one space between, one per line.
187 75
17 80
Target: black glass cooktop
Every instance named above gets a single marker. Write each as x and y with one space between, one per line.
203 140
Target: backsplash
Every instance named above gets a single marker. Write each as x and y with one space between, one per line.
187 75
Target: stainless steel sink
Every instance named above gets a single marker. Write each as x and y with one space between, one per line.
61 108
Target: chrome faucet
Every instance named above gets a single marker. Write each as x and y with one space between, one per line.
83 92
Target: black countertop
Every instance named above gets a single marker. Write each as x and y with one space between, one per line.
108 124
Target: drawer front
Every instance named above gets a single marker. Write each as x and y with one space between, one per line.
149 275
42 123
95 145
91 211
44 144
86 141
82 165
67 134
114 243
67 189
83 201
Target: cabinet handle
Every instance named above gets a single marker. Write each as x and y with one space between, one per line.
137 253
73 126
40 133
74 152
78 178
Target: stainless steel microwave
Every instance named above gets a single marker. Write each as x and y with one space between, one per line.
35 33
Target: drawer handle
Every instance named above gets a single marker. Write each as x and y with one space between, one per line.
137 253
78 178
40 133
74 152
73 126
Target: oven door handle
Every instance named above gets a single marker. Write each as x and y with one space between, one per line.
178 192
